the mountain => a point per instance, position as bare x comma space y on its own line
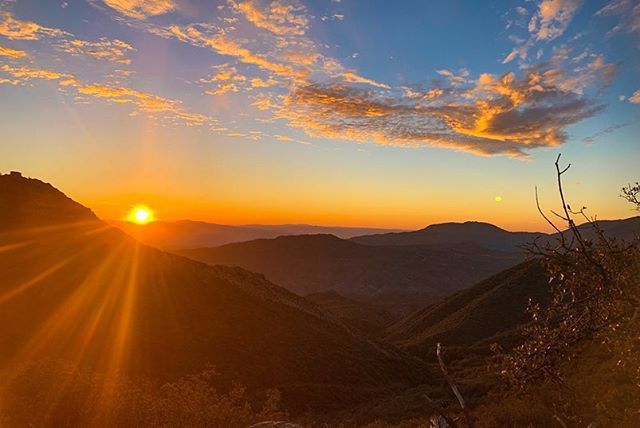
173, 235
27, 202
624, 229
471, 232
366, 317
492, 307
317, 263
77, 290
492, 237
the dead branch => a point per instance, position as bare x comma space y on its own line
453, 386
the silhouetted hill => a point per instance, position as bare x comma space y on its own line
626, 229
26, 202
315, 263
495, 306
490, 236
83, 292
363, 316
174, 235
481, 234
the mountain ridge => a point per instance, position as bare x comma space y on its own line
184, 234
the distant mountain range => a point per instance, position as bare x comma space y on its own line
489, 236
454, 234
183, 234
316, 263
424, 265
75, 289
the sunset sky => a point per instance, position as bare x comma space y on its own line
335, 112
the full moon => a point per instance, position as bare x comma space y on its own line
140, 215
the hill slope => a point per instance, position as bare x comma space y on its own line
84, 292
366, 317
494, 306
316, 263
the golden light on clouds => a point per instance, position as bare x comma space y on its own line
140, 214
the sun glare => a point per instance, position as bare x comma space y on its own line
140, 215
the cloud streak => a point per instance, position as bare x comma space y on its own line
104, 49
16, 29
12, 53
141, 9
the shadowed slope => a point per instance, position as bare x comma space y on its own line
494, 306
316, 263
366, 317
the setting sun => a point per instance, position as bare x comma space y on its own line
140, 215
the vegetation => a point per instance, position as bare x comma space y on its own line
53, 393
580, 360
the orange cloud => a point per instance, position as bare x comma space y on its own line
12, 53
141, 9
16, 29
352, 77
277, 17
261, 83
23, 74
223, 89
225, 73
144, 102
223, 45
109, 50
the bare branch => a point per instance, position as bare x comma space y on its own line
453, 386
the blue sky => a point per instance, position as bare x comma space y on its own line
337, 112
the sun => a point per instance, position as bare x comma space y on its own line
498, 198
140, 214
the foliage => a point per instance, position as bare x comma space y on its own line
583, 349
53, 393
632, 194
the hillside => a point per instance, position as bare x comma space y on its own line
494, 306
83, 292
366, 317
475, 233
26, 202
175, 235
316, 263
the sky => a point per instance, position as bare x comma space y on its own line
336, 112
